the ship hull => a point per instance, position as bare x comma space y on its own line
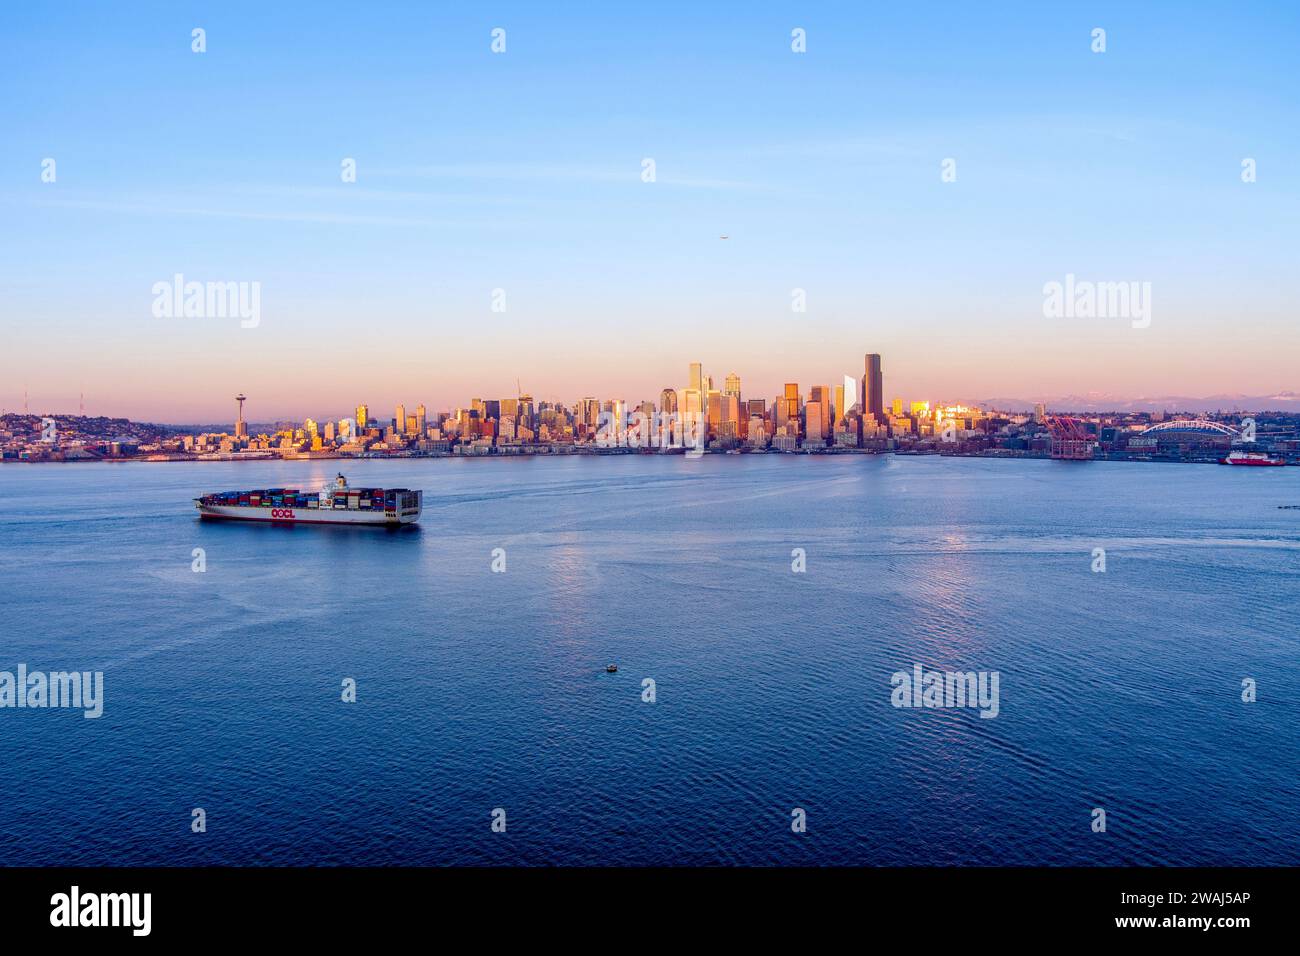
1252, 462
293, 516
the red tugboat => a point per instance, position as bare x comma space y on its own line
1256, 458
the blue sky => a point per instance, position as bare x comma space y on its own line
522, 171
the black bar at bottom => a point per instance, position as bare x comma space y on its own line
332, 905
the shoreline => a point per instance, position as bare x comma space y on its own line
607, 453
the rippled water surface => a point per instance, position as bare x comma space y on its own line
480, 690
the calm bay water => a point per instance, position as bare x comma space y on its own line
479, 690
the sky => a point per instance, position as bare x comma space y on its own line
517, 178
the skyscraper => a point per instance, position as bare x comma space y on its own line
815, 433
790, 405
714, 412
873, 386
697, 377
399, 420
819, 397
669, 429
692, 406
732, 386
730, 415
363, 418
618, 411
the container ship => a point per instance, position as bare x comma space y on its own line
1255, 458
334, 504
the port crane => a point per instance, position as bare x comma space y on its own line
1071, 440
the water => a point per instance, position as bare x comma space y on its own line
479, 690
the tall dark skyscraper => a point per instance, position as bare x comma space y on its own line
873, 386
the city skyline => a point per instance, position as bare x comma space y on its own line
879, 198
703, 415
337, 408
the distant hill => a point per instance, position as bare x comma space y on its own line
1099, 402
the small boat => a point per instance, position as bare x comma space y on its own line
1255, 458
611, 668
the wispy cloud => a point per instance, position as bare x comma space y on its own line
531, 172
163, 209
